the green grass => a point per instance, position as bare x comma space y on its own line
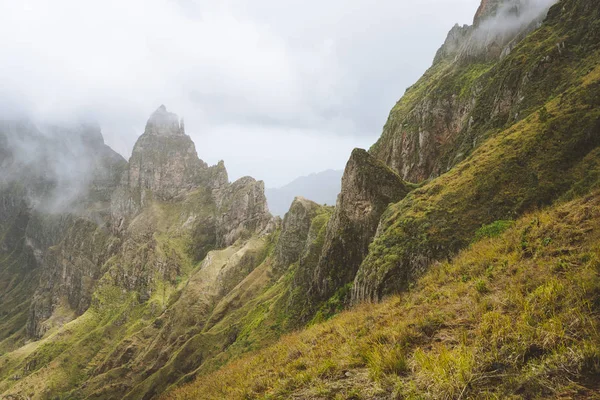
492, 230
533, 333
514, 314
529, 165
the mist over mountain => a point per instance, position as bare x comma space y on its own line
457, 258
322, 188
60, 165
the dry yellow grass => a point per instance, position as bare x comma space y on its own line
515, 316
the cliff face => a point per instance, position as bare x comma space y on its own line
294, 231
69, 274
368, 187
446, 114
164, 159
509, 170
19, 272
87, 237
242, 210
486, 9
58, 180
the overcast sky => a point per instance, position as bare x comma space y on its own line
276, 88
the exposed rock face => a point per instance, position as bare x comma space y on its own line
497, 27
69, 274
294, 232
242, 209
164, 123
486, 9
163, 165
59, 180
454, 41
215, 177
510, 127
415, 143
439, 122
300, 305
19, 271
164, 159
368, 187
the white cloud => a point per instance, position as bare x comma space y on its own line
275, 88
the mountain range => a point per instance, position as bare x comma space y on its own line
461, 258
322, 187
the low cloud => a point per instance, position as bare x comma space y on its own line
55, 165
512, 17
267, 71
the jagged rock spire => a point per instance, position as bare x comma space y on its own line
164, 123
368, 187
164, 159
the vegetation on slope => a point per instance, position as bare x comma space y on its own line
155, 321
529, 165
159, 315
457, 104
512, 316
18, 279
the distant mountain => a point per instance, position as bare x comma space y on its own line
322, 187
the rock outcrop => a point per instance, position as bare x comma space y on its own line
497, 27
447, 113
241, 210
164, 159
486, 9
368, 187
294, 232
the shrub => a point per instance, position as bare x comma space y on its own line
493, 230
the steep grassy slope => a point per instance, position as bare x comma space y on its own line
502, 136
529, 165
513, 316
190, 272
536, 160
159, 315
154, 268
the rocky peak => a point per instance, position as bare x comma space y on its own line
294, 231
368, 187
497, 27
164, 159
486, 9
164, 123
454, 41
242, 210
216, 177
